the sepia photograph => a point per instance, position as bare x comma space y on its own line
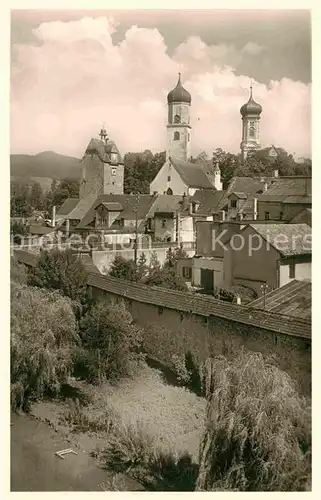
160, 250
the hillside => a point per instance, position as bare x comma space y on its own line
47, 164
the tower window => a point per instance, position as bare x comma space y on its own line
177, 119
168, 178
251, 131
176, 136
189, 137
113, 171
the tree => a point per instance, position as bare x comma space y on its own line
142, 268
112, 341
258, 429
140, 169
18, 230
36, 197
123, 268
20, 205
63, 271
166, 275
43, 334
59, 192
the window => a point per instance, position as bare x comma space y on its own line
168, 178
169, 191
233, 203
177, 119
189, 137
163, 223
187, 272
176, 136
267, 215
113, 171
251, 131
292, 269
281, 215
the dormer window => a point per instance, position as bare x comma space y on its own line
233, 203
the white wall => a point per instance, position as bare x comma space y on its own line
302, 272
160, 184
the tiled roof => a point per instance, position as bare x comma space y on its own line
240, 195
127, 201
192, 303
289, 186
204, 306
303, 217
67, 206
247, 185
165, 203
113, 206
292, 299
209, 200
193, 175
298, 199
102, 150
81, 209
41, 230
288, 239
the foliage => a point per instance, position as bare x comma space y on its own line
83, 419
18, 272
142, 268
43, 333
132, 449
166, 276
19, 200
123, 268
63, 271
180, 370
18, 231
111, 338
258, 433
140, 169
36, 197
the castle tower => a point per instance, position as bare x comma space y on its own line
102, 168
178, 126
250, 112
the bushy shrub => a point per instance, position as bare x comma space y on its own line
43, 334
258, 435
63, 271
18, 272
112, 341
123, 268
179, 366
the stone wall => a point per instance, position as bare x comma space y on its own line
169, 331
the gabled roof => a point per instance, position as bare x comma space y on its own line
67, 206
292, 299
127, 201
287, 239
193, 174
103, 150
81, 208
304, 217
112, 206
242, 196
289, 186
209, 200
165, 203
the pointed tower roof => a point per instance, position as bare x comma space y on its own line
179, 94
251, 107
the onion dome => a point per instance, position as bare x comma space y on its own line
179, 94
251, 107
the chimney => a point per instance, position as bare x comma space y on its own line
222, 215
67, 228
53, 221
276, 173
265, 186
185, 204
254, 208
190, 208
238, 300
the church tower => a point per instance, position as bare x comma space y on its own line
178, 126
250, 112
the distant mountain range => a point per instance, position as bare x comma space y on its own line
47, 164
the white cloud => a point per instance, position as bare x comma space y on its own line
77, 78
252, 48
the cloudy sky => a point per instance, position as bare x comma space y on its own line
73, 70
